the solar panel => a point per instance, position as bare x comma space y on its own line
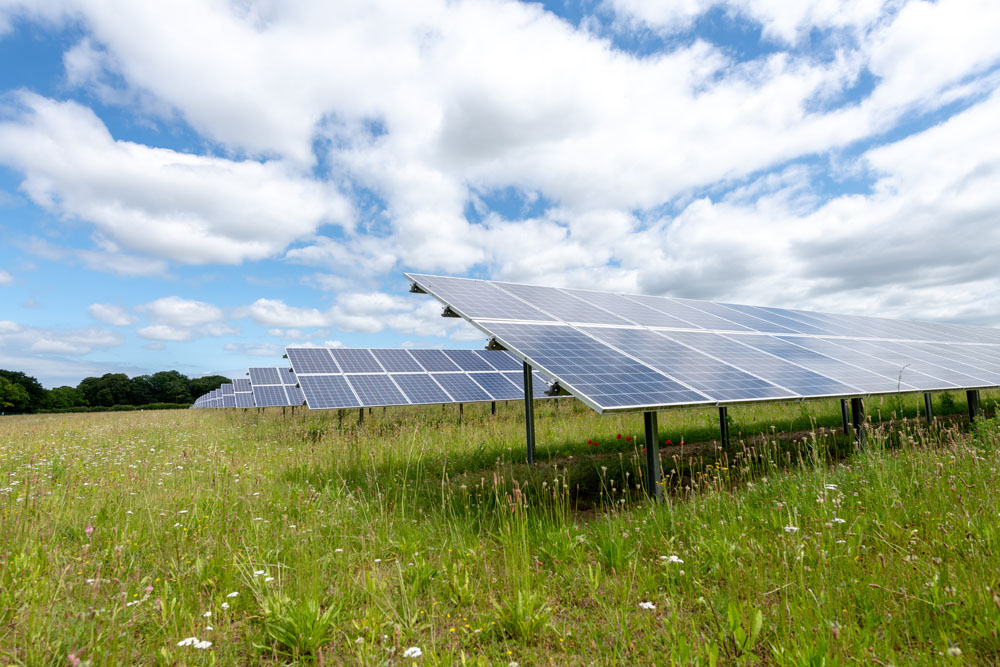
434, 360
354, 361
397, 361
461, 387
376, 390
311, 360
260, 376
245, 400
629, 352
227, 389
468, 360
295, 395
497, 386
484, 300
327, 391
269, 395
241, 385
420, 388
500, 360
589, 368
710, 376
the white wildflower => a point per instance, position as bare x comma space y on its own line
233, 594
837, 519
207, 614
412, 652
647, 605
203, 644
830, 487
225, 605
671, 559
954, 651
257, 573
267, 579
189, 641
791, 529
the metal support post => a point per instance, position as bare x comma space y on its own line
858, 417
724, 425
460, 413
529, 413
493, 408
928, 407
844, 417
340, 420
653, 487
361, 416
972, 397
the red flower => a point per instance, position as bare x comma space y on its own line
643, 450
595, 444
590, 442
668, 443
628, 438
619, 436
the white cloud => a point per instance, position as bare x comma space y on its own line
175, 311
5, 278
165, 332
274, 312
30, 341
110, 314
176, 206
255, 349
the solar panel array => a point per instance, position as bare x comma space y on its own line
621, 352
351, 378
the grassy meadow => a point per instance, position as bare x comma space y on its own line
242, 537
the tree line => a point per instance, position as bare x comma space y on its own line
22, 393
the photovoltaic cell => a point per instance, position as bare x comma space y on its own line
311, 360
631, 310
355, 361
295, 395
768, 367
227, 389
269, 395
699, 319
288, 377
748, 321
538, 383
397, 361
591, 369
244, 400
468, 360
482, 299
500, 359
259, 376
421, 388
461, 387
828, 366
560, 304
711, 377
241, 385
434, 360
780, 320
497, 386
955, 373
327, 391
376, 390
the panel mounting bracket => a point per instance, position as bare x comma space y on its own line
556, 390
416, 289
494, 344
448, 312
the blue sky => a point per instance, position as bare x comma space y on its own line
197, 185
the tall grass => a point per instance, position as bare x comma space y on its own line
281, 538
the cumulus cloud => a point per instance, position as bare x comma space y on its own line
110, 314
176, 206
255, 349
5, 278
165, 332
175, 311
31, 341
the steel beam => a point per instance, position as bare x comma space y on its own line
844, 417
724, 425
928, 407
653, 487
529, 413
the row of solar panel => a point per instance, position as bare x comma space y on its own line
378, 377
618, 368
487, 300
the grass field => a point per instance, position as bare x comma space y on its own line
243, 537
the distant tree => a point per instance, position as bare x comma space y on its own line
142, 391
13, 397
36, 392
107, 390
66, 397
171, 387
203, 385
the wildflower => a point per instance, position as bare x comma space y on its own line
791, 529
188, 641
837, 519
267, 579
830, 487
619, 436
337, 551
954, 651
257, 573
233, 594
590, 442
647, 605
225, 605
671, 559
378, 560
412, 652
667, 442
209, 627
207, 614
89, 529
203, 644
149, 588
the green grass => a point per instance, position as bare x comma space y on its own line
125, 533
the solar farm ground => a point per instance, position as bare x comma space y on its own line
244, 537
